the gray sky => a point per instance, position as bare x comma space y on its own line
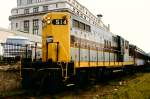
128, 18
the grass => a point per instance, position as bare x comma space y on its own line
137, 88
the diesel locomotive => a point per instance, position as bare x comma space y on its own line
76, 43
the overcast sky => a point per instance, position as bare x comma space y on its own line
128, 18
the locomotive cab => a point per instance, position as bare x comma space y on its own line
55, 53
56, 37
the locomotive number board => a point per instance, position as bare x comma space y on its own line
59, 22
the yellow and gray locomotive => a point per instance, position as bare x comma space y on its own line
71, 43
73, 47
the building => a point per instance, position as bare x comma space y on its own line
5, 33
27, 16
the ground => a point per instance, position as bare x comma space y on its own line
9, 79
135, 86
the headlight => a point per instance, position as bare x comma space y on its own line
48, 21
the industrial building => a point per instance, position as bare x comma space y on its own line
5, 33
27, 16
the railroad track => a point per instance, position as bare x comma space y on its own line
72, 88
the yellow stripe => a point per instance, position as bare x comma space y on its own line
120, 63
100, 64
128, 63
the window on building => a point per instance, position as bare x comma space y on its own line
29, 1
19, 2
26, 25
74, 9
126, 44
56, 5
72, 39
35, 26
76, 23
78, 13
88, 28
16, 10
82, 26
26, 11
35, 10
16, 25
81, 15
40, 0
105, 43
84, 17
109, 44
45, 8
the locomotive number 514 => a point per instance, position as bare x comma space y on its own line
59, 22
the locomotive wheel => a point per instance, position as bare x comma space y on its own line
52, 82
81, 78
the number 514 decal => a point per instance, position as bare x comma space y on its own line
59, 22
